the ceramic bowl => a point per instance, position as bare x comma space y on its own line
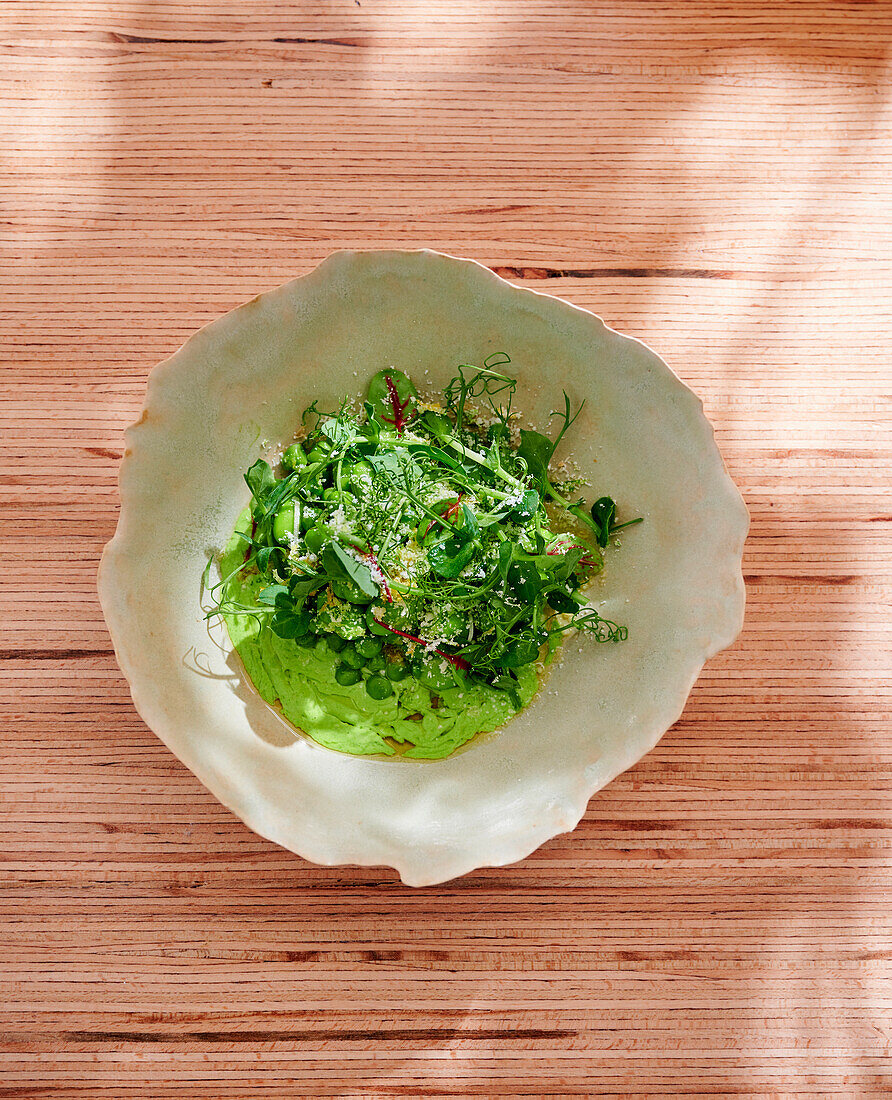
242, 383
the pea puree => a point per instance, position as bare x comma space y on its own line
301, 678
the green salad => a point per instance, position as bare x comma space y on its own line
401, 578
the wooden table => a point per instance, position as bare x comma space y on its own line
714, 179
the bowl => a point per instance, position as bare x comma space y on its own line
241, 383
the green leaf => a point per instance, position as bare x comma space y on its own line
271, 593
372, 427
536, 450
264, 556
523, 652
526, 581
449, 558
261, 480
603, 512
437, 454
341, 432
584, 516
381, 399
301, 587
526, 509
471, 528
437, 424
289, 625
341, 565
563, 602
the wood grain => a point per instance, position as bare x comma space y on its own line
712, 178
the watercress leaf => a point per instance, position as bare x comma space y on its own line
261, 480
339, 564
270, 594
284, 602
603, 512
536, 450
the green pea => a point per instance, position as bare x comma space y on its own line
357, 469
369, 647
377, 664
396, 670
374, 626
378, 687
331, 494
317, 455
316, 537
351, 658
433, 677
336, 643
347, 676
293, 457
349, 591
283, 524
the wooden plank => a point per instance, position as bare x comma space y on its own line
714, 179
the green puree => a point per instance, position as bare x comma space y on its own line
301, 679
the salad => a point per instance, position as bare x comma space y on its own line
401, 578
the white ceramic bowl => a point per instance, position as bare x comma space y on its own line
243, 380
